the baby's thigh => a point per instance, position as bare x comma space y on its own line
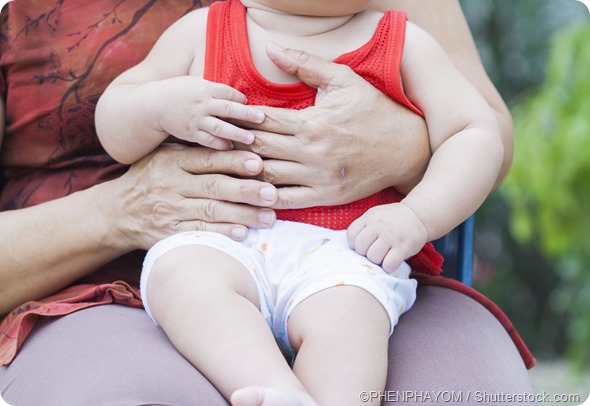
106, 355
203, 263
331, 265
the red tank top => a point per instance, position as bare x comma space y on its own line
228, 61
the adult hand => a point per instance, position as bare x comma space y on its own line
175, 188
179, 188
353, 143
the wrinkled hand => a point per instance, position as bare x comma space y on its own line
178, 188
190, 108
387, 235
353, 143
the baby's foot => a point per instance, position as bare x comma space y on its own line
261, 396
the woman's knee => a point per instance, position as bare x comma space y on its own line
448, 341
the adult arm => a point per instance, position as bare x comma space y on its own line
46, 247
445, 21
466, 160
347, 154
2, 120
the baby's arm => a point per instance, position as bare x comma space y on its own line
466, 160
166, 95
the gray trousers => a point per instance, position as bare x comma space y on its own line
447, 348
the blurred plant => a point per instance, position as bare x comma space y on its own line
512, 38
548, 187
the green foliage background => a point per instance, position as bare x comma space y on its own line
549, 185
532, 235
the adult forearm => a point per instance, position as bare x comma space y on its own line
175, 189
46, 247
2, 114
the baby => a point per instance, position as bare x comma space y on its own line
325, 286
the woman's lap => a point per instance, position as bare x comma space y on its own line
459, 351
446, 345
105, 355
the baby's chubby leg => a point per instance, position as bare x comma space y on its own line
341, 338
207, 303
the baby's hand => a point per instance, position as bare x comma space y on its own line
193, 109
387, 235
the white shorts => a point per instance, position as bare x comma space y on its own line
292, 261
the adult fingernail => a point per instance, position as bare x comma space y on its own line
267, 217
259, 116
238, 233
252, 165
268, 193
248, 137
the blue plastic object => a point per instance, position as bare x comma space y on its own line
457, 249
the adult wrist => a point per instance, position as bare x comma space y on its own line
109, 207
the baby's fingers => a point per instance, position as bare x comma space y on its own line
392, 260
219, 110
220, 130
353, 231
236, 110
229, 103
377, 251
383, 254
364, 240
